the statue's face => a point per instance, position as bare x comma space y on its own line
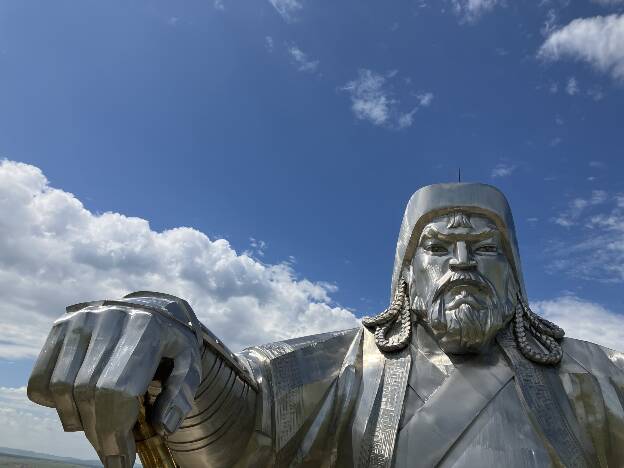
461, 281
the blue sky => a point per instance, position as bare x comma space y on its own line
297, 130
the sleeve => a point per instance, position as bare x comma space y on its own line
305, 385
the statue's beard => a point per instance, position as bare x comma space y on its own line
465, 313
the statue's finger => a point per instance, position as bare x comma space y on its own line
68, 364
174, 403
125, 454
106, 333
125, 377
38, 389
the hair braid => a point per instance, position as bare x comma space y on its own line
397, 314
545, 332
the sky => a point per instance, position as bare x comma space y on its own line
256, 157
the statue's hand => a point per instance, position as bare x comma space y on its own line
97, 361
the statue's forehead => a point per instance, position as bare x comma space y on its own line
460, 222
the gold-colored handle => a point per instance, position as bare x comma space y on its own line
151, 447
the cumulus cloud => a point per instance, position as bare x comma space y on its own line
503, 170
54, 252
471, 10
27, 426
598, 41
372, 99
584, 320
287, 9
301, 60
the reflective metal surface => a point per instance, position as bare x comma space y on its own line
393, 395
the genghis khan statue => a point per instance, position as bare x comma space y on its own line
458, 371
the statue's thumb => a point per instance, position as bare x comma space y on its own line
174, 403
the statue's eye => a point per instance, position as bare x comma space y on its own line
487, 249
436, 248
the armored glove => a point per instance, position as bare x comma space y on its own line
100, 357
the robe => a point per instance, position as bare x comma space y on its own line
335, 400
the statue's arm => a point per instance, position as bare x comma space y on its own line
217, 430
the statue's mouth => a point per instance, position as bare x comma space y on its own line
463, 296
469, 284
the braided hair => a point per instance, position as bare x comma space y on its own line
397, 315
545, 332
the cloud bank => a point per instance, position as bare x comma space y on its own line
584, 320
55, 252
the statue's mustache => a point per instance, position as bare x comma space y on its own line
452, 279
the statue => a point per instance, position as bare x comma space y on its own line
457, 371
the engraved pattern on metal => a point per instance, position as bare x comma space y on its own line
537, 392
286, 386
396, 374
372, 370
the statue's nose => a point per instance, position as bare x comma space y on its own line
461, 260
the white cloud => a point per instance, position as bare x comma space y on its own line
258, 246
555, 141
550, 24
425, 99
598, 41
503, 170
406, 119
594, 249
219, 5
268, 43
609, 3
596, 94
584, 320
577, 207
372, 99
572, 86
54, 252
301, 60
28, 426
287, 9
471, 10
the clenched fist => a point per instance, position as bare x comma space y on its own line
98, 360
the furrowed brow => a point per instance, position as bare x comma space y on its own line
431, 232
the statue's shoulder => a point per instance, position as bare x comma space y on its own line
597, 359
323, 345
